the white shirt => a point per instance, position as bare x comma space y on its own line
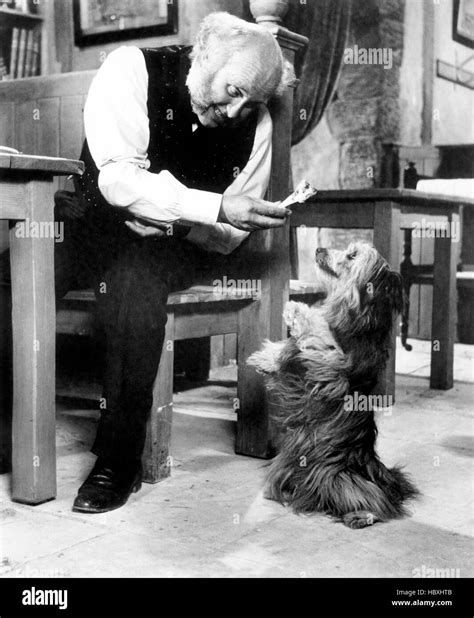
117, 131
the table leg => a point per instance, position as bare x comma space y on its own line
387, 222
33, 314
443, 320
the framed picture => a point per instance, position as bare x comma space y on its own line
463, 22
104, 21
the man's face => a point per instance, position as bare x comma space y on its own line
231, 89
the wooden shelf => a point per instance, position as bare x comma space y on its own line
18, 15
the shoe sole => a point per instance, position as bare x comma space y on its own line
136, 487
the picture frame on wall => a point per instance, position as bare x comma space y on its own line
463, 22
106, 21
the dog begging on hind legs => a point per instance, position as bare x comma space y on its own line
318, 377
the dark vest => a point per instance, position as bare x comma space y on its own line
206, 159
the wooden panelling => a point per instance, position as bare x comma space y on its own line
43, 115
7, 124
25, 126
58, 129
48, 128
33, 88
72, 131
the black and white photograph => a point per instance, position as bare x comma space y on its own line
236, 307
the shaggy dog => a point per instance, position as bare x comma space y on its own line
318, 378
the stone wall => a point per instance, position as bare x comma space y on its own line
344, 151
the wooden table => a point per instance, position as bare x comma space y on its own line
385, 211
26, 199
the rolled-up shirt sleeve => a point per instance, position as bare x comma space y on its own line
117, 131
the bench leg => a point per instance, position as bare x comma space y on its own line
443, 321
253, 428
156, 460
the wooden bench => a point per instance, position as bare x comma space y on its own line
198, 311
58, 101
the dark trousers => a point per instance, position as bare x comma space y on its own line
131, 277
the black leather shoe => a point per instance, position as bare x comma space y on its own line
107, 487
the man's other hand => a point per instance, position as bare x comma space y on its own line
247, 213
167, 230
144, 231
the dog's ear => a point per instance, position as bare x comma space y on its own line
394, 291
382, 299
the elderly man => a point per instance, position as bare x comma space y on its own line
177, 154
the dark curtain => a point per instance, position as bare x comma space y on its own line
326, 24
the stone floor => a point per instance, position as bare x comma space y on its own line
210, 518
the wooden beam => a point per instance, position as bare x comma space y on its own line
428, 71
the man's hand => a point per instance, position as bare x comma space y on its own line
168, 230
144, 230
68, 205
247, 213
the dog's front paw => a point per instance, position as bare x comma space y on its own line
360, 519
296, 317
266, 360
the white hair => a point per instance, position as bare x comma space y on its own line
221, 34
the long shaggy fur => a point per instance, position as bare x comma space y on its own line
327, 461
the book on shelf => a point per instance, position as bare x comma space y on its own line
20, 69
36, 54
29, 53
14, 52
3, 68
24, 53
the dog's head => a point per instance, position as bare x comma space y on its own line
363, 293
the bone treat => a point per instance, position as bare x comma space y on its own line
301, 194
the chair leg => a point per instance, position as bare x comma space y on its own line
156, 460
253, 427
443, 321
